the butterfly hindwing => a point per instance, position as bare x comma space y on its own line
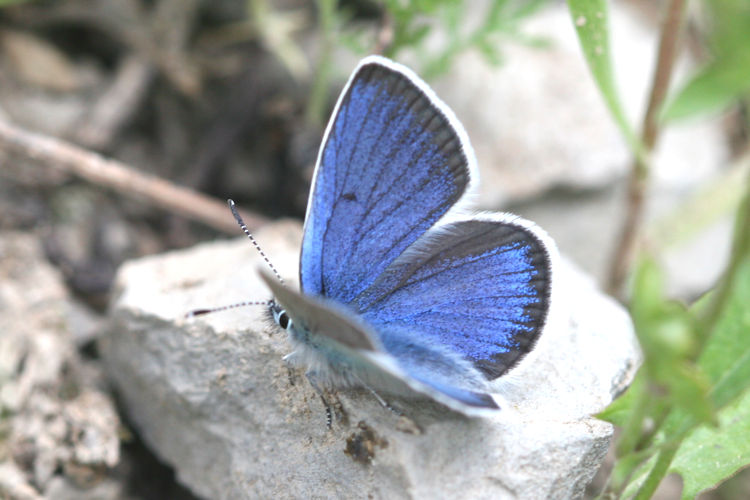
479, 288
393, 162
355, 355
338, 334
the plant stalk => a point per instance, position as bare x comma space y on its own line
639, 172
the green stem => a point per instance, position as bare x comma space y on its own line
631, 432
319, 92
740, 251
659, 413
657, 473
640, 171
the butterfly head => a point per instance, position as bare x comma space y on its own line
280, 316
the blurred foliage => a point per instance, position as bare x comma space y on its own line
414, 22
725, 78
276, 30
591, 20
438, 31
688, 410
709, 205
329, 23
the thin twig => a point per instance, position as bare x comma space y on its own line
61, 155
114, 108
170, 27
627, 242
384, 38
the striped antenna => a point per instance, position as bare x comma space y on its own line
201, 312
239, 220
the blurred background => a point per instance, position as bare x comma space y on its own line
229, 98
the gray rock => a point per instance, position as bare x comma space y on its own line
538, 120
586, 228
213, 397
58, 427
697, 264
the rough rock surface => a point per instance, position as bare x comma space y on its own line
58, 429
213, 397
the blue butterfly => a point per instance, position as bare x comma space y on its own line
400, 290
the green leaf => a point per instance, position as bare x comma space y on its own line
490, 51
725, 79
590, 18
726, 357
667, 333
619, 411
730, 20
630, 472
712, 90
676, 440
710, 455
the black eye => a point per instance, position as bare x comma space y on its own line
284, 320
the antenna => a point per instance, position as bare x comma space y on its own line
239, 220
201, 312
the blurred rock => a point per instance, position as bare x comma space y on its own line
61, 488
59, 424
538, 120
39, 63
213, 397
14, 483
586, 226
694, 267
41, 88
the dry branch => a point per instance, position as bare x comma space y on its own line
116, 105
67, 157
638, 182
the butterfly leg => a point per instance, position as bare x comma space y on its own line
405, 423
380, 399
332, 409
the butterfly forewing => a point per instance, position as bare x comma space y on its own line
391, 165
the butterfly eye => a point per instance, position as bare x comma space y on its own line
284, 320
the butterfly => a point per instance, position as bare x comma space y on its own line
401, 289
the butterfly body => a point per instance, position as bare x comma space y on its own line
401, 290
